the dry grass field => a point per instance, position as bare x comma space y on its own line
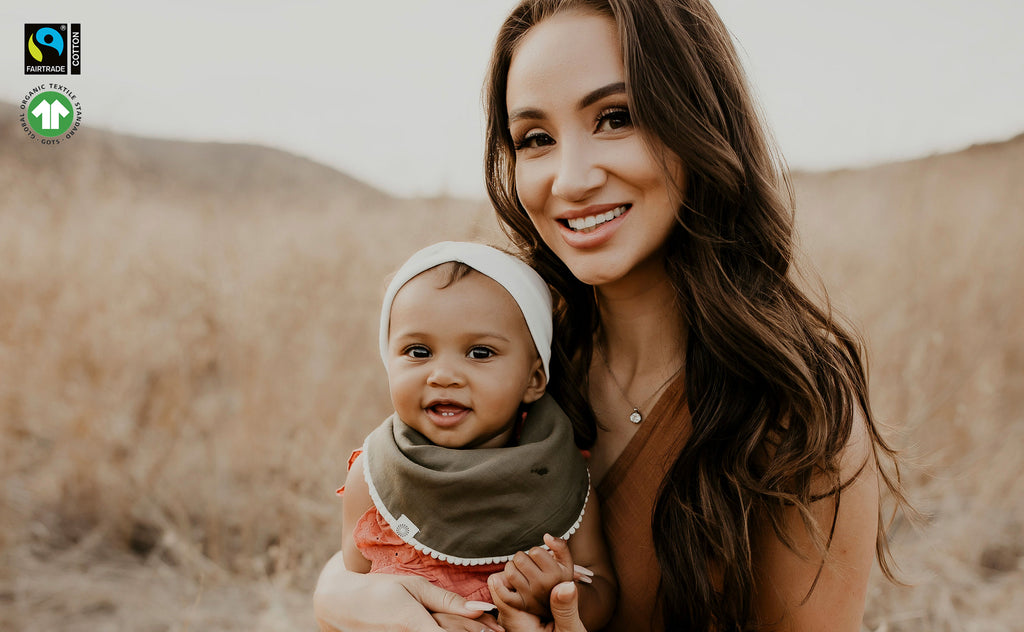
187, 357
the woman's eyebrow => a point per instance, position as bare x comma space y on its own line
595, 96
589, 99
525, 113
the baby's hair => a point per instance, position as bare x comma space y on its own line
454, 272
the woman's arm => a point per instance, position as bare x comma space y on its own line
597, 598
784, 599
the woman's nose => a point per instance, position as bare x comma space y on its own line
578, 175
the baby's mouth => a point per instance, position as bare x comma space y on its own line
447, 410
591, 222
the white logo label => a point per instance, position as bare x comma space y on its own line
404, 528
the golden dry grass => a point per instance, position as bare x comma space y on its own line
926, 256
187, 356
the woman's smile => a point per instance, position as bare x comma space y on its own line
593, 226
589, 218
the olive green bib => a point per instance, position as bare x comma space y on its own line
479, 506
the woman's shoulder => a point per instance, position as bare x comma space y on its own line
855, 460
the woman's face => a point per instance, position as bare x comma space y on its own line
586, 176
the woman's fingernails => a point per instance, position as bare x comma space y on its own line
582, 570
564, 592
585, 579
482, 606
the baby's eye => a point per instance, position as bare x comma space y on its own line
614, 119
480, 353
533, 140
417, 351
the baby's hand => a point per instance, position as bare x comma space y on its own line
528, 577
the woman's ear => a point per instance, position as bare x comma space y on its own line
538, 382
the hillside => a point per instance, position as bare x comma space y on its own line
187, 357
97, 163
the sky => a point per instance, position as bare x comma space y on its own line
389, 91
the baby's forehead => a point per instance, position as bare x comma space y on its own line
470, 284
512, 282
455, 293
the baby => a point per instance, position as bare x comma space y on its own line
476, 473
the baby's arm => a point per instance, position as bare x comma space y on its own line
356, 501
528, 578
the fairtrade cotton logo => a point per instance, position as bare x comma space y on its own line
53, 49
46, 37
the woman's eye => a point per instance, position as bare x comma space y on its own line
614, 119
417, 351
533, 140
480, 353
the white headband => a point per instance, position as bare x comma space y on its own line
522, 282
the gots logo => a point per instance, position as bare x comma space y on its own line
51, 115
48, 48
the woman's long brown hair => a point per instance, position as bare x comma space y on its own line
774, 383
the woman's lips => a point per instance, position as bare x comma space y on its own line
587, 223
595, 228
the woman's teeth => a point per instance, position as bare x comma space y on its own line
587, 224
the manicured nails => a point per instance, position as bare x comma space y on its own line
564, 592
582, 570
482, 606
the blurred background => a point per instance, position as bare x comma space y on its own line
189, 285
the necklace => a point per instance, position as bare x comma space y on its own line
636, 416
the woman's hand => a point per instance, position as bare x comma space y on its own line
453, 623
345, 601
564, 611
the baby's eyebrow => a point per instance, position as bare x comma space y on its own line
488, 334
408, 334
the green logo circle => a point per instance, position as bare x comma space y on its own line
50, 114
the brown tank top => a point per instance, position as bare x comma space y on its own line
628, 493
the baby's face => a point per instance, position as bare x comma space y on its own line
460, 360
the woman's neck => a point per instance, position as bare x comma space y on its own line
642, 332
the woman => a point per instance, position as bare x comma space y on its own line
732, 438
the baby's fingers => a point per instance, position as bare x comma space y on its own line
504, 595
544, 562
515, 577
559, 549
